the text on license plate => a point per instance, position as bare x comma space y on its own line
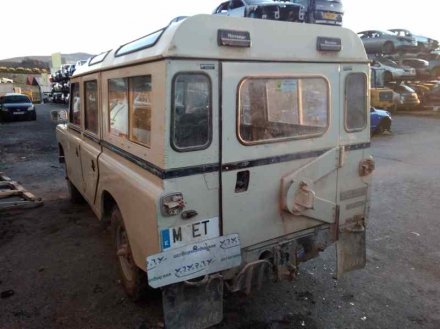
329, 15
179, 236
18, 113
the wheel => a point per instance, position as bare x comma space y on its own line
384, 125
436, 72
387, 76
388, 48
33, 116
74, 195
380, 129
133, 279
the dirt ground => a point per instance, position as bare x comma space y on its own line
58, 268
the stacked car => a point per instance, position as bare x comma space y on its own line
409, 64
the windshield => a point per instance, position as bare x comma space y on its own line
256, 2
17, 99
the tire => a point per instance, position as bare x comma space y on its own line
380, 129
436, 72
384, 125
74, 195
388, 48
387, 76
33, 116
133, 279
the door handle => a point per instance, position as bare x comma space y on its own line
93, 165
76, 152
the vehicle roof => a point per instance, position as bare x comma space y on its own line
196, 37
403, 30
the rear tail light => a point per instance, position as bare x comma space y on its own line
172, 204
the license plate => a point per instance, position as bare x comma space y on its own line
194, 260
18, 113
331, 16
179, 236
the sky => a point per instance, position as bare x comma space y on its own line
43, 27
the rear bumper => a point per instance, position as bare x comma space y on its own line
279, 258
13, 116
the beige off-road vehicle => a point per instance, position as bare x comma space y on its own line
223, 152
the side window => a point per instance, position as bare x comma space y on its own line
118, 106
355, 102
191, 112
91, 106
276, 109
75, 105
140, 109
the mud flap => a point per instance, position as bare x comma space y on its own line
351, 248
197, 305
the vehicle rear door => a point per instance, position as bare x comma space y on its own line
356, 165
90, 145
73, 151
280, 135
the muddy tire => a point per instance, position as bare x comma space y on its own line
133, 279
74, 195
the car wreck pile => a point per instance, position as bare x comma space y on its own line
408, 67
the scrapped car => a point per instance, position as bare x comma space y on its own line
434, 63
380, 96
420, 65
14, 106
393, 71
328, 12
432, 97
216, 171
405, 98
376, 41
264, 9
423, 43
380, 120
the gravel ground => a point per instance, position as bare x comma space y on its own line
58, 269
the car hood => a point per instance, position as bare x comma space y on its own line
382, 113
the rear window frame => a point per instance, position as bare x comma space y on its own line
5, 99
172, 116
346, 103
284, 139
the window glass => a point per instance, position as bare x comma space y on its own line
191, 124
275, 109
91, 106
75, 105
142, 43
118, 106
140, 109
98, 58
356, 101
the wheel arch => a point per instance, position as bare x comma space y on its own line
108, 202
61, 158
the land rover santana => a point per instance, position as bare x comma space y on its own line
223, 152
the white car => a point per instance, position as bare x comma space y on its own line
394, 71
264, 9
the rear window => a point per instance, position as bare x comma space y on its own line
276, 109
14, 99
191, 116
355, 102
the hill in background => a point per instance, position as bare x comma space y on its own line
41, 61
